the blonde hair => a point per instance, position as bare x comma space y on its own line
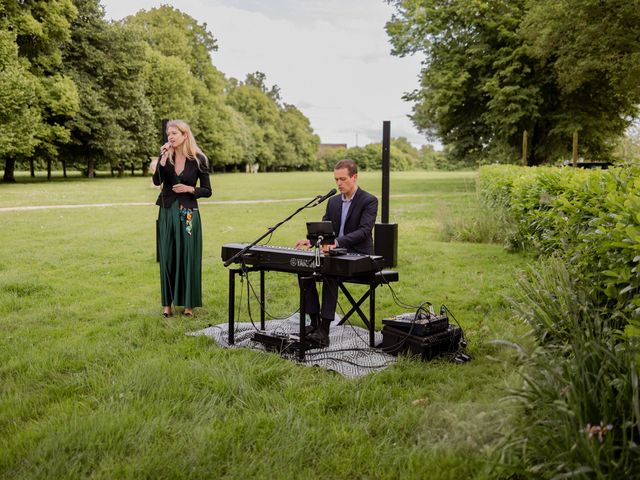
189, 147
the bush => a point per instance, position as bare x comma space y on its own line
589, 218
580, 398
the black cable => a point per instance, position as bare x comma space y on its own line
418, 308
397, 300
239, 301
396, 346
268, 239
401, 342
463, 340
391, 348
250, 289
344, 360
246, 274
255, 296
353, 327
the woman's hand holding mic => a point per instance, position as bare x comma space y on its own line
165, 150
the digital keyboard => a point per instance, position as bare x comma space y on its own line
286, 259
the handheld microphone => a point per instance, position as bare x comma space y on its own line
166, 146
331, 193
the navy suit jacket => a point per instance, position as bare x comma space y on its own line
190, 175
361, 218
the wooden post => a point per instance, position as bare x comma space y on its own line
525, 137
574, 154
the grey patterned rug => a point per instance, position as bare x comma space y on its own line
349, 353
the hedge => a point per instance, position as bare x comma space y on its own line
588, 218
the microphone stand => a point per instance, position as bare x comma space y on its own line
271, 230
318, 200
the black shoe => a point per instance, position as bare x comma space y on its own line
315, 321
320, 338
321, 335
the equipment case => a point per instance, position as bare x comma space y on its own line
397, 341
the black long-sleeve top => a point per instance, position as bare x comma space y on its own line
166, 176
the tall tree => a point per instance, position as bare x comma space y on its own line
224, 134
487, 76
41, 29
592, 49
182, 82
107, 61
235, 122
259, 79
20, 116
172, 33
263, 117
283, 136
300, 138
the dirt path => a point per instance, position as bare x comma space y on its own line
140, 204
149, 204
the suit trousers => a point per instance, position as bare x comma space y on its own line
329, 296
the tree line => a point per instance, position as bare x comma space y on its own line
86, 93
495, 69
403, 155
499, 77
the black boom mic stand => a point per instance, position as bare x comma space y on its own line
241, 253
310, 204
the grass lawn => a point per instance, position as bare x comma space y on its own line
94, 383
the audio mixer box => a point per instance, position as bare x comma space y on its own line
281, 343
421, 324
396, 341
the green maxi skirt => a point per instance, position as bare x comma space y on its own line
180, 256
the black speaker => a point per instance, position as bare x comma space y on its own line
385, 243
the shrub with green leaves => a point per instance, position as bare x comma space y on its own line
580, 400
590, 218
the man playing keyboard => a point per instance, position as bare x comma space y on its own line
353, 214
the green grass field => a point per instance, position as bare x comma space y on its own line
94, 383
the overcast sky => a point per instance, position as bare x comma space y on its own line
330, 58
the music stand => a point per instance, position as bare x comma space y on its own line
320, 233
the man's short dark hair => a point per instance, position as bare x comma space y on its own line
349, 165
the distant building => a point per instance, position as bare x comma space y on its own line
328, 147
